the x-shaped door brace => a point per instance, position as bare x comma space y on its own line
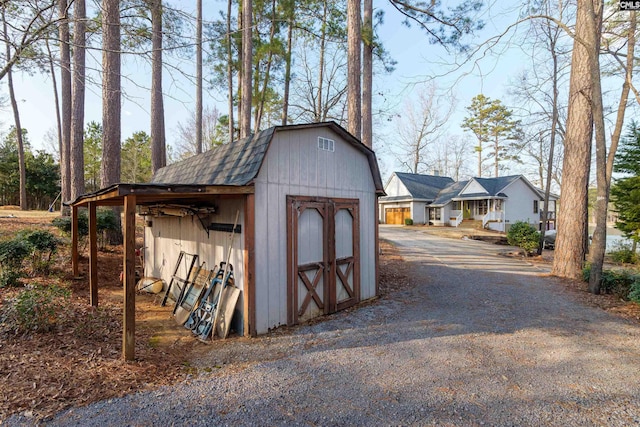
311, 287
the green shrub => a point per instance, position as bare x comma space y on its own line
622, 253
38, 308
63, 223
43, 245
12, 254
106, 221
408, 221
586, 272
634, 288
524, 235
10, 278
617, 283
621, 283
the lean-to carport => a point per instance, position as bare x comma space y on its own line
131, 195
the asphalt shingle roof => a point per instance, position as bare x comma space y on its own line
424, 186
238, 163
495, 185
228, 164
448, 193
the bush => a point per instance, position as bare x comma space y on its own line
38, 308
408, 221
106, 221
621, 283
617, 283
634, 289
524, 235
63, 223
43, 245
12, 254
623, 254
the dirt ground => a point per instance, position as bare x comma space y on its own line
80, 361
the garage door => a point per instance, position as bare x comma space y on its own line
396, 215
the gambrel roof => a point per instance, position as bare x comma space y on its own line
238, 163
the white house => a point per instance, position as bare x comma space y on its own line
492, 203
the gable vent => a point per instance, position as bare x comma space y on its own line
326, 144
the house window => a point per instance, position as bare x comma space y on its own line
497, 205
482, 207
435, 214
326, 144
457, 206
535, 206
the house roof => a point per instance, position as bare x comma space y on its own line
497, 184
238, 164
423, 186
448, 193
441, 190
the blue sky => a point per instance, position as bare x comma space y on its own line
417, 60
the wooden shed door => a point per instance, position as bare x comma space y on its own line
323, 256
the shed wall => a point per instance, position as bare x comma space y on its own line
164, 240
294, 165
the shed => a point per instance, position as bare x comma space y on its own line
307, 241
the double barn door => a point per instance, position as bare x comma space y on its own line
323, 257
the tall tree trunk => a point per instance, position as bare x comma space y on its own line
479, 150
77, 101
604, 162
65, 98
266, 75
230, 72
56, 100
158, 144
367, 75
354, 95
199, 77
554, 131
247, 67
572, 219
16, 117
320, 114
287, 63
111, 97
496, 163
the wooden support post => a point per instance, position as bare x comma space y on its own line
93, 255
249, 266
377, 249
129, 278
74, 241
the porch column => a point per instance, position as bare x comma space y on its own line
129, 279
74, 241
93, 255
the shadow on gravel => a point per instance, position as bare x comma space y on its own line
446, 301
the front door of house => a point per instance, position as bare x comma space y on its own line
323, 256
466, 210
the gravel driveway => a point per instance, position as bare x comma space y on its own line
478, 340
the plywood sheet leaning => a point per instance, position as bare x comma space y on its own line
224, 313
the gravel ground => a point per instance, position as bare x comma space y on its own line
477, 339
